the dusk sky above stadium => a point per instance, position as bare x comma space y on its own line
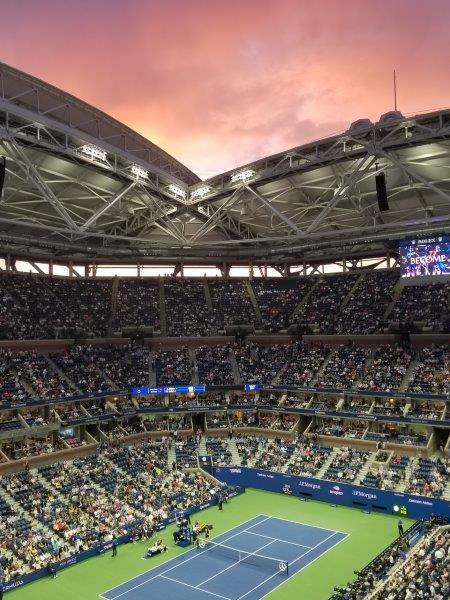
221, 83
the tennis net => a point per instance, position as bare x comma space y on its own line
276, 565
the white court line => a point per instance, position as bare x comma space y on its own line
236, 563
305, 524
292, 562
194, 555
194, 587
310, 563
276, 539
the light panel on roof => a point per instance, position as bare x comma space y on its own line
139, 172
200, 192
177, 191
242, 176
93, 152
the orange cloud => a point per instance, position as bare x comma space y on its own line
220, 83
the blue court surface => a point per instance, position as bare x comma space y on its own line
268, 545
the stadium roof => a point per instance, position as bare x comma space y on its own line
82, 186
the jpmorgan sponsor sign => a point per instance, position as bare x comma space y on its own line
334, 492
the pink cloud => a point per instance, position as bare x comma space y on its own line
221, 83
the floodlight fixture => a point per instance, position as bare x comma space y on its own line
200, 192
177, 191
139, 172
93, 152
242, 176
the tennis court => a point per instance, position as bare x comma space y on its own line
248, 561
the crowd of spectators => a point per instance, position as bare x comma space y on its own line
427, 410
218, 448
24, 308
137, 303
384, 477
432, 371
344, 368
79, 363
243, 419
173, 367
389, 406
11, 389
278, 298
72, 506
404, 571
260, 364
78, 307
425, 575
186, 310
213, 365
29, 447
387, 370
297, 401
217, 420
274, 454
427, 304
308, 458
323, 304
231, 303
303, 363
247, 447
45, 382
363, 312
339, 428
85, 307
356, 405
429, 476
346, 465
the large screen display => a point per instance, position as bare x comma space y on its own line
425, 258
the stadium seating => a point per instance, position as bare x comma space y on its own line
71, 445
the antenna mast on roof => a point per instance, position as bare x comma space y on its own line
395, 91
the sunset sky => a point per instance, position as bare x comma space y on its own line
220, 83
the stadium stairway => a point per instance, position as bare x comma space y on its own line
305, 298
236, 459
348, 297
324, 468
234, 367
365, 469
61, 373
113, 313
366, 366
201, 448
322, 368
401, 487
162, 306
151, 369
194, 367
252, 296
397, 291
408, 375
171, 456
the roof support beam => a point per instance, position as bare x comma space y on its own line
362, 167
412, 173
107, 206
273, 209
33, 174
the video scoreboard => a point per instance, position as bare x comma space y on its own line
427, 257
